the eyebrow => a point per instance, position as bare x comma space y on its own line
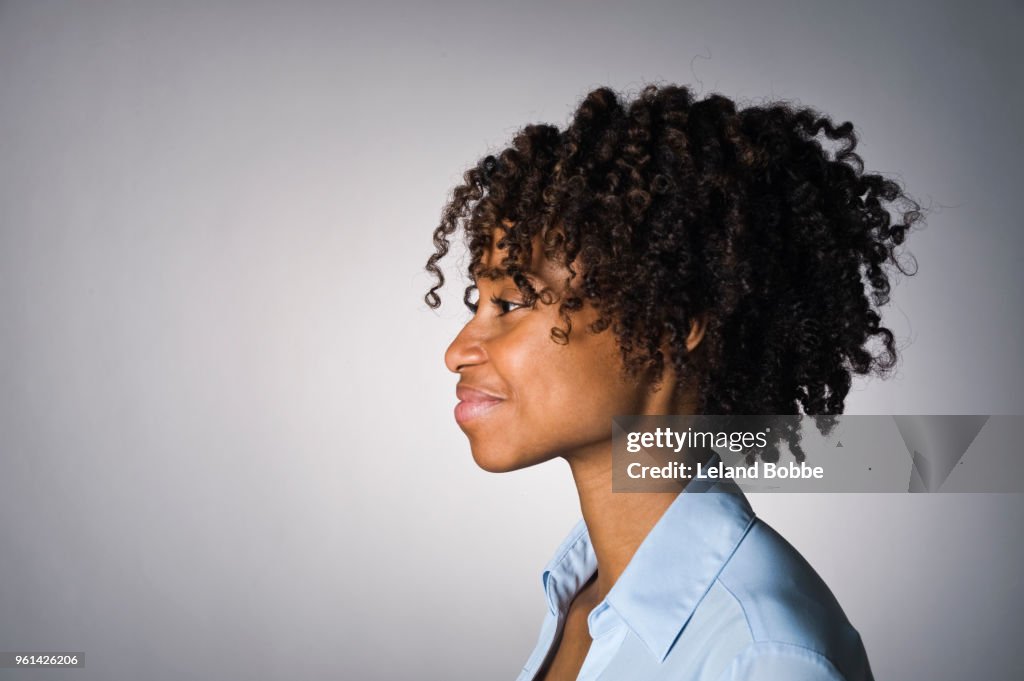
499, 273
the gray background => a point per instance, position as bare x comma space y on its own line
225, 423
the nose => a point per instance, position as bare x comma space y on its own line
466, 349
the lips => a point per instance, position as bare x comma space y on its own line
474, 403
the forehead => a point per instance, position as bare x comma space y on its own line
542, 271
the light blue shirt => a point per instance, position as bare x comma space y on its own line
712, 593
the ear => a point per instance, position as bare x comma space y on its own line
697, 327
671, 403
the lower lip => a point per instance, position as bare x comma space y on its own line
466, 411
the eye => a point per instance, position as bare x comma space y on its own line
503, 305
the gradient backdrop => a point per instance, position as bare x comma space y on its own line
227, 447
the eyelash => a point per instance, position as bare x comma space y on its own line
498, 301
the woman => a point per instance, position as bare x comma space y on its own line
670, 256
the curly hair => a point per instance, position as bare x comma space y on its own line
677, 208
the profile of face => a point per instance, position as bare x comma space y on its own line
526, 398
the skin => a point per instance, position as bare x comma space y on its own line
558, 402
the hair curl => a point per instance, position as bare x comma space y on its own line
675, 208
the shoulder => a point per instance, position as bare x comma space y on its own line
796, 626
771, 660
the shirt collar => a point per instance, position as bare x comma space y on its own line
672, 569
572, 565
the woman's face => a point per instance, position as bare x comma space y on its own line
548, 399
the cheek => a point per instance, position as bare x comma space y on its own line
604, 390
532, 363
569, 386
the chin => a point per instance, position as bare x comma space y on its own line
496, 461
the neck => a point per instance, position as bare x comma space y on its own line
617, 523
